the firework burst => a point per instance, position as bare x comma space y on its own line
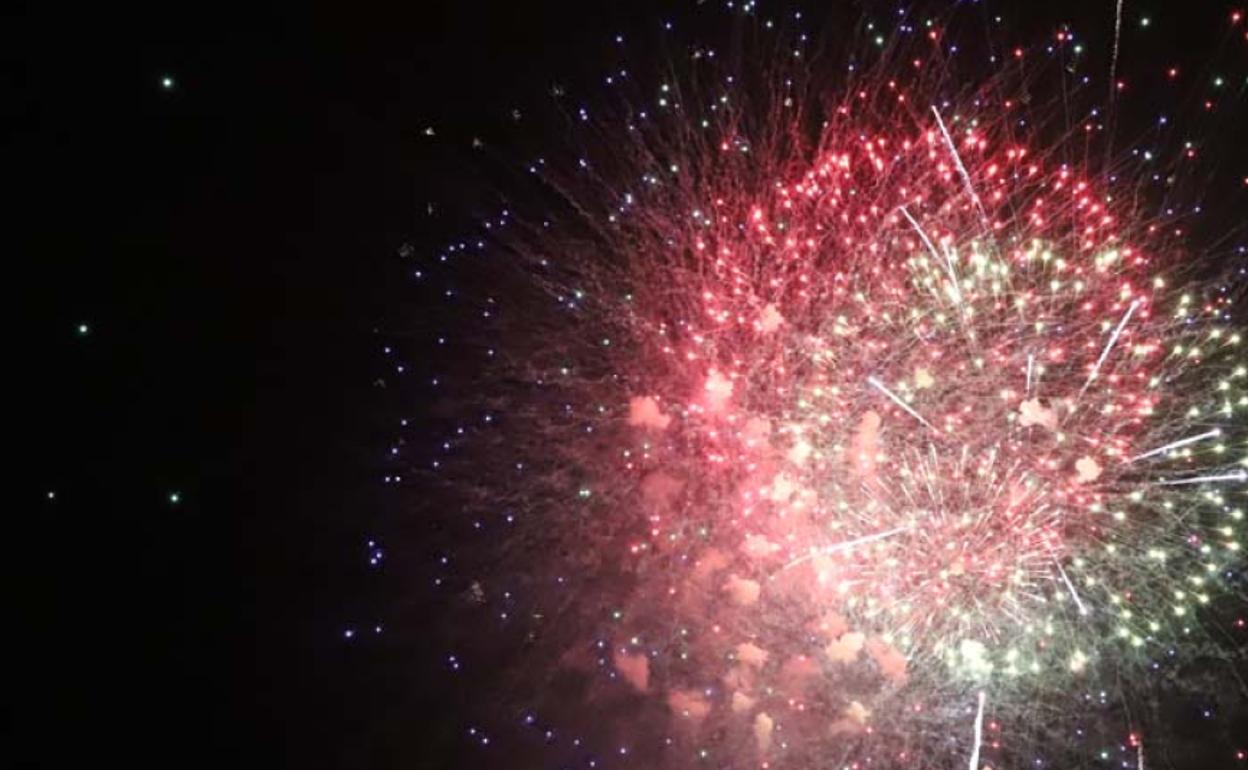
838, 412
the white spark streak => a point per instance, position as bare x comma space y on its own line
1113, 339
957, 159
1070, 586
1031, 363
1180, 443
845, 546
979, 733
943, 256
880, 387
1113, 65
1234, 476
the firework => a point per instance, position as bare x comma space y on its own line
834, 413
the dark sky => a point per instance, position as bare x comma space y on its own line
229, 242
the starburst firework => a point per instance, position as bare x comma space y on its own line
834, 412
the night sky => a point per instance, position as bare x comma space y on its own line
209, 203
